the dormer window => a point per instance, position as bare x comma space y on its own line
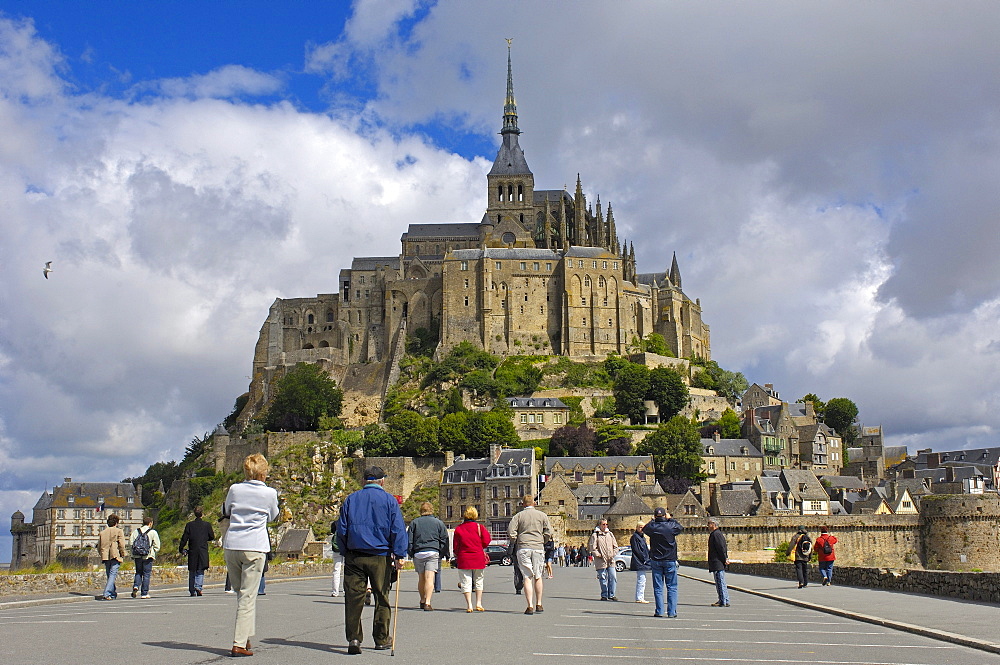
72, 499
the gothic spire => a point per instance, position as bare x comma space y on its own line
510, 105
612, 232
675, 272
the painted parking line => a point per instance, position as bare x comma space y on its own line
14, 623
808, 644
812, 661
714, 620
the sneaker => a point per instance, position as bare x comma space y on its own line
671, 616
825, 583
146, 597
230, 591
368, 598
354, 647
614, 598
538, 609
644, 602
530, 610
135, 591
657, 616
335, 594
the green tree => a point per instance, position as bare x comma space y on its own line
654, 343
487, 428
517, 376
630, 390
404, 430
304, 394
676, 449
241, 402
841, 414
730, 385
667, 389
427, 441
614, 364
378, 442
729, 425
818, 405
453, 433
612, 438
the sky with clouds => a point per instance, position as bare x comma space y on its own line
827, 174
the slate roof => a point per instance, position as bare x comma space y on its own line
465, 468
374, 262
591, 511
536, 403
971, 456
527, 253
649, 489
294, 540
896, 454
653, 278
510, 158
813, 490
836, 508
555, 195
730, 447
591, 463
516, 458
737, 502
594, 491
578, 252
629, 503
844, 482
462, 230
88, 495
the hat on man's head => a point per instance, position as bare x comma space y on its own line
802, 529
374, 473
660, 512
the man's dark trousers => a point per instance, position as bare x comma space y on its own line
358, 570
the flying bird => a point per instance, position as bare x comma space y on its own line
47, 269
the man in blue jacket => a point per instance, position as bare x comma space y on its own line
662, 532
372, 538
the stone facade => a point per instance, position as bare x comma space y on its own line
543, 271
537, 417
71, 516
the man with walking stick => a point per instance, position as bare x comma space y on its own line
372, 537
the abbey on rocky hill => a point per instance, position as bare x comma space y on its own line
542, 272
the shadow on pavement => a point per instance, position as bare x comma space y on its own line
184, 646
305, 645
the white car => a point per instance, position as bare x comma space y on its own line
623, 560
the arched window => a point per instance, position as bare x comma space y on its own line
329, 316
500, 193
520, 195
510, 192
310, 319
586, 280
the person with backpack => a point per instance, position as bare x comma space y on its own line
800, 549
144, 544
338, 561
826, 555
194, 544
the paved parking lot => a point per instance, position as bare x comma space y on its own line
298, 622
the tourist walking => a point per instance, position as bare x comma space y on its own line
372, 537
640, 562
718, 559
662, 532
471, 540
550, 553
561, 555
604, 547
111, 546
428, 538
194, 544
826, 555
144, 544
800, 549
249, 505
530, 529
338, 561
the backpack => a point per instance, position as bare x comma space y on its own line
805, 545
140, 548
827, 547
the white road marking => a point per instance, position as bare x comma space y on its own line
726, 629
716, 658
714, 620
11, 623
808, 644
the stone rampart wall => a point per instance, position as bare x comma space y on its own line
404, 474
960, 531
982, 587
163, 577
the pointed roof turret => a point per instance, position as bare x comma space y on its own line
675, 272
612, 231
510, 158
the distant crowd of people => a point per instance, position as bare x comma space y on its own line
371, 541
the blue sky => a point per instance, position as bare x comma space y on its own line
826, 175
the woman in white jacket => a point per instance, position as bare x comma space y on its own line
250, 505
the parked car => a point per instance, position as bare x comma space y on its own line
623, 559
498, 555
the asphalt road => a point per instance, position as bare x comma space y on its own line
298, 622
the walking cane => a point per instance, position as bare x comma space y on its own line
395, 616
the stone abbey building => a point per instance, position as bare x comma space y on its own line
543, 272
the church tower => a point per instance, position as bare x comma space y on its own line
510, 208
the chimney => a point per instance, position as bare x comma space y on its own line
715, 436
949, 474
449, 458
933, 460
494, 452
67, 480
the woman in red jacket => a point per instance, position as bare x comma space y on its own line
825, 560
470, 542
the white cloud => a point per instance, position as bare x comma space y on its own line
228, 81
